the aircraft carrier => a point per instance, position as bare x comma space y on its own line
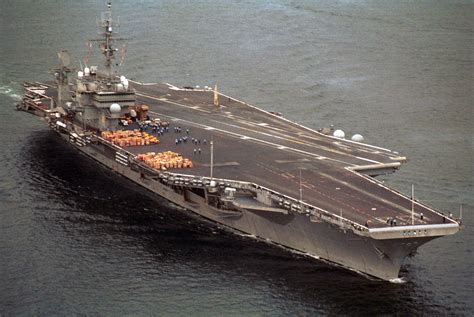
238, 165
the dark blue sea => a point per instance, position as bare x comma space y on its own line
77, 240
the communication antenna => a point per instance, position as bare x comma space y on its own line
301, 190
216, 96
412, 204
89, 53
123, 52
61, 74
212, 159
106, 43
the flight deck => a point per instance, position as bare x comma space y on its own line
253, 145
256, 146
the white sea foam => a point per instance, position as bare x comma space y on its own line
398, 280
10, 92
247, 235
312, 256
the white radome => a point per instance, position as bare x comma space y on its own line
357, 138
339, 134
115, 108
125, 83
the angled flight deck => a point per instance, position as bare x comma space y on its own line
237, 117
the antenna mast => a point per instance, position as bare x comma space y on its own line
107, 23
301, 190
107, 49
212, 159
412, 204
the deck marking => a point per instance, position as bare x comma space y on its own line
366, 193
237, 135
141, 84
254, 131
224, 164
369, 160
289, 139
302, 126
292, 161
169, 101
293, 140
375, 181
358, 212
292, 178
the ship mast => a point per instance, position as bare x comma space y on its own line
107, 49
106, 24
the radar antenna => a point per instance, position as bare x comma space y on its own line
106, 25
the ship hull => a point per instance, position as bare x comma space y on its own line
326, 241
263, 164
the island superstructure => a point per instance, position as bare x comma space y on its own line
239, 165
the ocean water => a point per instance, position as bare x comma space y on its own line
78, 240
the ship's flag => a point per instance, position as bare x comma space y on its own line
216, 97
